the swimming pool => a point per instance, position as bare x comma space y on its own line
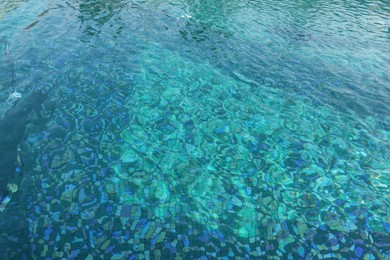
194, 129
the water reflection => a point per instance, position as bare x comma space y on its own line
96, 14
8, 6
207, 21
149, 133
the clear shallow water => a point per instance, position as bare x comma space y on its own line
188, 129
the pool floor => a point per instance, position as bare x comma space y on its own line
194, 129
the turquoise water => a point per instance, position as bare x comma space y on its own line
194, 129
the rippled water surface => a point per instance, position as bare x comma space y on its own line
194, 129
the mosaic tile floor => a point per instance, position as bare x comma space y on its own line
194, 130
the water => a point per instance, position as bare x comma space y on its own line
195, 129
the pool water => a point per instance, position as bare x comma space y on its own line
188, 129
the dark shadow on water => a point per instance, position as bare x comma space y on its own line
14, 221
12, 131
